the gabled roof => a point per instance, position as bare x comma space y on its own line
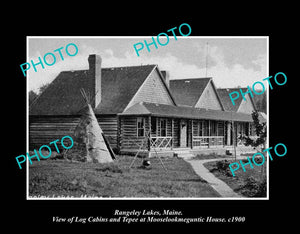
226, 101
187, 92
62, 96
161, 110
118, 86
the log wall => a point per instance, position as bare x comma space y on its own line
45, 129
109, 126
129, 140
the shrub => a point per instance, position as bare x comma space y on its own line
254, 188
222, 165
259, 160
262, 189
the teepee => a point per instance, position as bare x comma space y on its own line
90, 134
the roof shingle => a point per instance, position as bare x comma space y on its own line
118, 86
187, 92
162, 110
226, 101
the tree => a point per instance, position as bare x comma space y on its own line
32, 96
260, 131
43, 87
261, 102
264, 103
260, 140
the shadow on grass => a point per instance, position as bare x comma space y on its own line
193, 180
110, 168
116, 179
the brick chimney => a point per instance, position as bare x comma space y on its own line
166, 77
95, 76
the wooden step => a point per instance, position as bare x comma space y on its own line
184, 154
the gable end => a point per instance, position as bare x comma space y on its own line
209, 98
153, 90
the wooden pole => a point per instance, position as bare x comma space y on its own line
234, 140
192, 135
209, 141
149, 140
233, 137
206, 59
172, 127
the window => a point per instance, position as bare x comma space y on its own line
140, 127
205, 128
200, 128
220, 127
163, 127
242, 129
153, 125
247, 129
213, 129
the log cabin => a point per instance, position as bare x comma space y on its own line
138, 108
241, 106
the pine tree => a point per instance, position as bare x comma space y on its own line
260, 131
260, 140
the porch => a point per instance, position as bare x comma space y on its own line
151, 135
151, 127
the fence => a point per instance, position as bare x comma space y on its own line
161, 142
208, 141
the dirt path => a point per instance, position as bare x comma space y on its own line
220, 186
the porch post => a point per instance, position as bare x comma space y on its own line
209, 133
249, 133
192, 134
234, 139
156, 120
228, 133
234, 129
172, 133
149, 140
224, 128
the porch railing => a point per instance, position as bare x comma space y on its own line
160, 142
208, 141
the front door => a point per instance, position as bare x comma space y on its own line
183, 133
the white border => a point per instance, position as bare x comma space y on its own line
141, 198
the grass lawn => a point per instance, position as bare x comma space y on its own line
244, 183
65, 178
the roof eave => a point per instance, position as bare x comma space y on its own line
215, 89
164, 82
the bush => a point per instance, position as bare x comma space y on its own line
222, 165
262, 189
254, 188
259, 160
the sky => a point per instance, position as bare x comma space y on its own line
230, 61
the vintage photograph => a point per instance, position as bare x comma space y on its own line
180, 120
